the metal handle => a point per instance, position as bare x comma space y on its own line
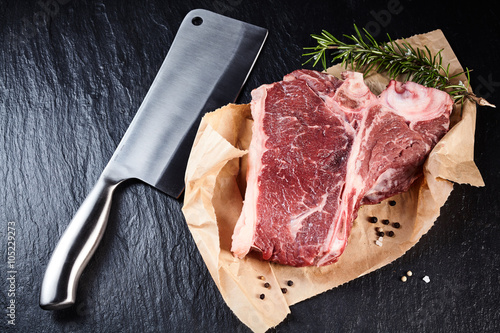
76, 247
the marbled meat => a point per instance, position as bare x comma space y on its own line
320, 148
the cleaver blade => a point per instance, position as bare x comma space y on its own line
205, 68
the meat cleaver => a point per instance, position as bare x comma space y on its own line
205, 68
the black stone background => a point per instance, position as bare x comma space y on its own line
72, 76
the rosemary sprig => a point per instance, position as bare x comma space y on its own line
397, 59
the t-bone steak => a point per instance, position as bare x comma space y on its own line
320, 148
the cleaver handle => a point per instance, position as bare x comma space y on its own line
76, 247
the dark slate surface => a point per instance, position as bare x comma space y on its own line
72, 75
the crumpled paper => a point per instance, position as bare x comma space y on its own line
215, 182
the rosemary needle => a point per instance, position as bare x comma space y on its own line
397, 59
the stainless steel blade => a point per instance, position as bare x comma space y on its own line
205, 68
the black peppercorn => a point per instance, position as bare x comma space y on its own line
381, 234
396, 225
290, 283
373, 219
262, 296
267, 285
392, 203
283, 290
390, 233
386, 222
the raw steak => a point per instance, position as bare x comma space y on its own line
320, 148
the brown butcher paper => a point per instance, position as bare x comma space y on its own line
215, 182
